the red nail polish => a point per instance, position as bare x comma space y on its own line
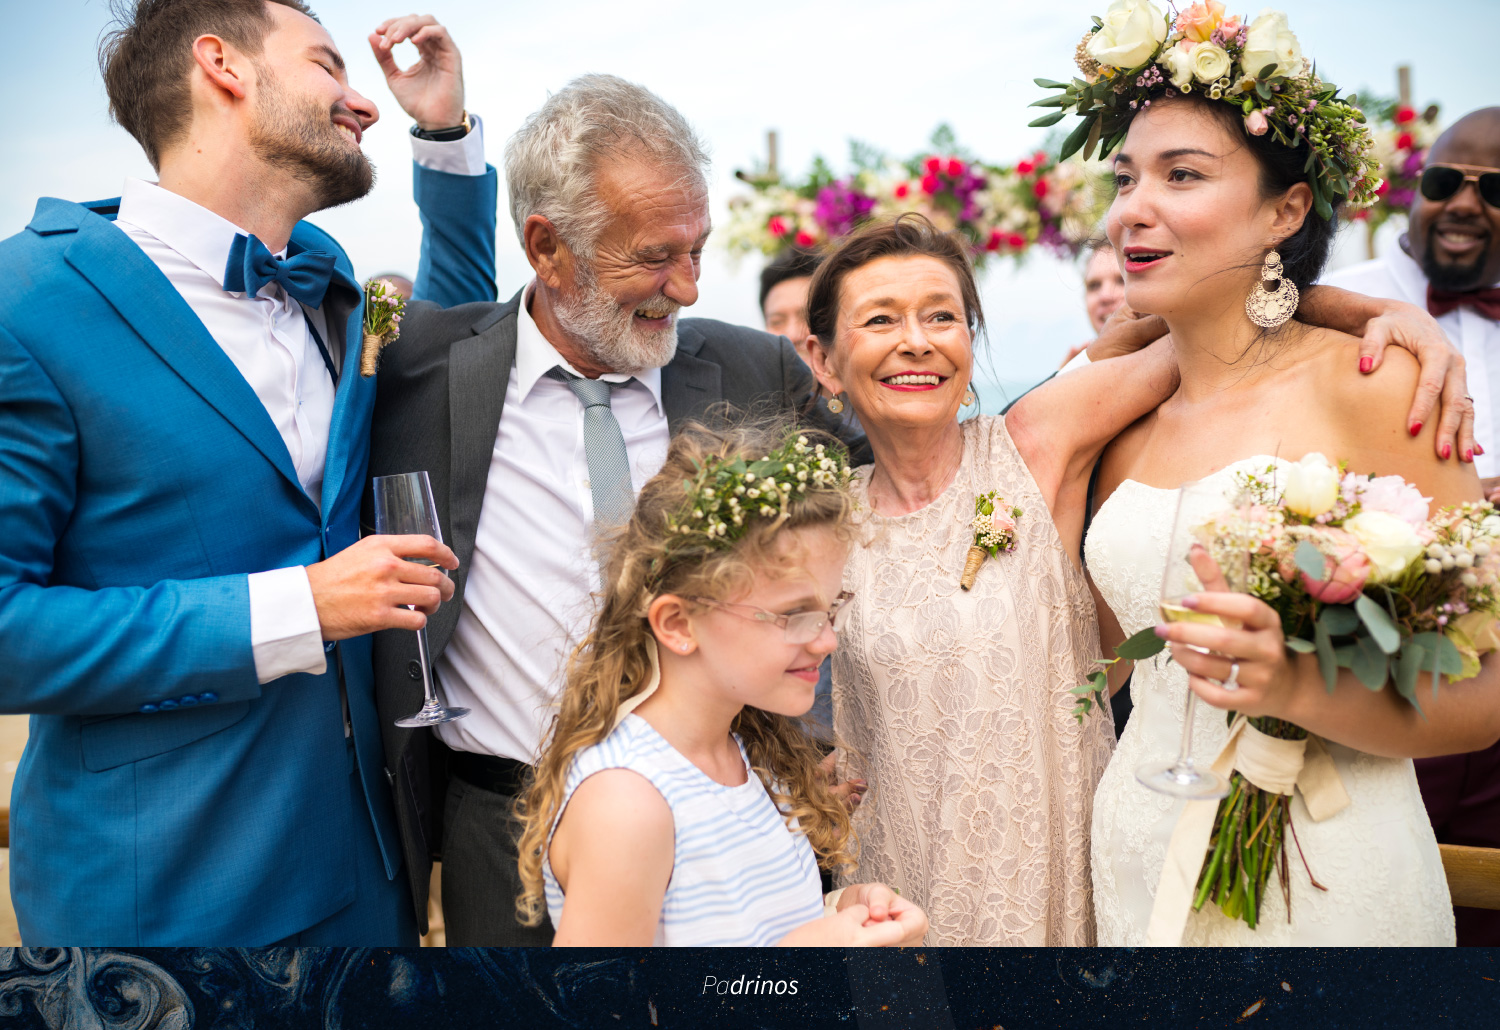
1366, 363
1447, 452
1416, 427
1469, 455
1478, 449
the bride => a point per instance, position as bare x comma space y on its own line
1204, 204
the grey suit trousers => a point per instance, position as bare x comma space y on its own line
481, 880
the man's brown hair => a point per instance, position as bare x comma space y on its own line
147, 59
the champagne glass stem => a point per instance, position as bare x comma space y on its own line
1185, 753
429, 688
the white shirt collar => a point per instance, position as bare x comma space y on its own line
535, 357
192, 230
1408, 274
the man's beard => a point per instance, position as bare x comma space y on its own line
1457, 278
304, 142
608, 333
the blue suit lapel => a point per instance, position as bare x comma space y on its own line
348, 432
144, 298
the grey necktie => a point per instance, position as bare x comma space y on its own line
604, 447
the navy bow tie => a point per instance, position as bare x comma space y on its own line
304, 274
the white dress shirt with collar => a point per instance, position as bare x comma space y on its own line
1395, 275
527, 601
266, 337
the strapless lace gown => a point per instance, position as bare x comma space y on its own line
1377, 857
957, 707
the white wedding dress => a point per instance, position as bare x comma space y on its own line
1377, 857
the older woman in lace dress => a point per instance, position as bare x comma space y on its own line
955, 704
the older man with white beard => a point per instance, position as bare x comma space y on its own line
538, 420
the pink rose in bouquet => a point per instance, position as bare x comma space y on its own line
1390, 494
1001, 524
1346, 567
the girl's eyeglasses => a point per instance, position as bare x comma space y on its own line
799, 627
1439, 182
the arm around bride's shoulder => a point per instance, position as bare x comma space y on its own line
1368, 414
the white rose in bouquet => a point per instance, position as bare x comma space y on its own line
1178, 61
1312, 486
1390, 542
1210, 62
1270, 42
1132, 31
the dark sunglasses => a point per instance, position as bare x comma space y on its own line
1439, 182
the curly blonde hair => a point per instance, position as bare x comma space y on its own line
611, 665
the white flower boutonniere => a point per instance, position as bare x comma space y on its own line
383, 310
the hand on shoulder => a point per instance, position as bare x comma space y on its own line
1368, 412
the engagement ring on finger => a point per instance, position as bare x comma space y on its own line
1232, 682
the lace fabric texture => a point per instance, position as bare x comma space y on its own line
956, 707
1378, 857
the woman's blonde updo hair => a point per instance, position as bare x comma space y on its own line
646, 560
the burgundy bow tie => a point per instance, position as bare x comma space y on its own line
1486, 302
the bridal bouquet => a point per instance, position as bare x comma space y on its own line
1366, 580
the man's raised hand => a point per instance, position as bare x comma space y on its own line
431, 91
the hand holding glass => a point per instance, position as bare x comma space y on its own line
1198, 503
404, 505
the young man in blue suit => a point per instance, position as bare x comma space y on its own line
184, 429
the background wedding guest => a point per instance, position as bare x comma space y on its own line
1103, 291
783, 305
183, 603
591, 371
403, 284
783, 294
1449, 260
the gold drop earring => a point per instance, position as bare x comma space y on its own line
836, 404
969, 397
1270, 309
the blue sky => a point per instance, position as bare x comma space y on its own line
818, 72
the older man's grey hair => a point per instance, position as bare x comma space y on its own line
552, 163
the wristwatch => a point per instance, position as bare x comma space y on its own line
458, 132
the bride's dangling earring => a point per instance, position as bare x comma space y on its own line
836, 404
1270, 309
969, 397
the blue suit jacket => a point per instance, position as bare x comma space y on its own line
165, 797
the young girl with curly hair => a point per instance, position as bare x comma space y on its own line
679, 799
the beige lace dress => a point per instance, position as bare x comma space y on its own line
955, 706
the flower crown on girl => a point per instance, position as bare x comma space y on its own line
726, 494
1137, 53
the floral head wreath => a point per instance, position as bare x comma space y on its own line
1136, 53
726, 495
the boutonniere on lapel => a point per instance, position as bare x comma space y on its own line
994, 528
383, 310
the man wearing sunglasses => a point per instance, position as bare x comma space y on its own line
1449, 260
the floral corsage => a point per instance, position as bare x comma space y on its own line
994, 528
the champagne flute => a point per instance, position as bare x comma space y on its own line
1197, 504
404, 505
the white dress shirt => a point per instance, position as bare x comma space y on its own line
527, 601
266, 337
1396, 276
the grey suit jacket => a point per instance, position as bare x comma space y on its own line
440, 397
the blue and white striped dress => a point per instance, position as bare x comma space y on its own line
740, 877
